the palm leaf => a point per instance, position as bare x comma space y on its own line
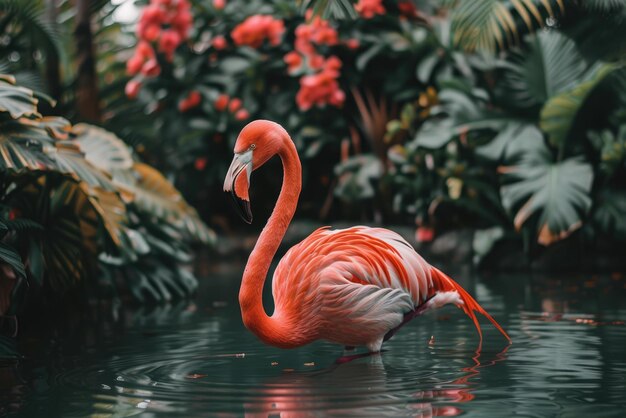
338, 9
493, 24
74, 217
603, 6
28, 20
10, 256
550, 66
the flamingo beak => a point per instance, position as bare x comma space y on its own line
237, 182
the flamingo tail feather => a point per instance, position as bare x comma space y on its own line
443, 283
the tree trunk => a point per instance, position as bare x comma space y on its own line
87, 103
53, 75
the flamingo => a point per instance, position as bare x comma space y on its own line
354, 286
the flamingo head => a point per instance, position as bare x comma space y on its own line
258, 142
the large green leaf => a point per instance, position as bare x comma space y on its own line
559, 113
551, 66
609, 211
102, 148
26, 143
157, 197
71, 160
17, 101
556, 192
495, 149
356, 175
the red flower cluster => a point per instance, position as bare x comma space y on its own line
370, 8
166, 23
234, 106
318, 32
321, 87
256, 29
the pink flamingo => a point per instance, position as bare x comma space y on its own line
354, 287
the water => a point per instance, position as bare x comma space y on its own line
196, 359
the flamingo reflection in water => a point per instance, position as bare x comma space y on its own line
363, 387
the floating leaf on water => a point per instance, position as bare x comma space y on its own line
196, 376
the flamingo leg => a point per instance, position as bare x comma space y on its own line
348, 359
407, 317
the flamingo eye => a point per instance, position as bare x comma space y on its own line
253, 146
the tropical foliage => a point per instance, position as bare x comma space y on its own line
490, 113
76, 204
501, 115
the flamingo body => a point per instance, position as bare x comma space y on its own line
352, 286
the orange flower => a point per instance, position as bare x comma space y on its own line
134, 64
219, 42
132, 89
407, 9
192, 100
293, 61
321, 88
316, 61
242, 114
370, 8
144, 50
168, 43
317, 31
256, 29
219, 4
353, 43
151, 68
153, 14
200, 163
424, 234
151, 33
221, 103
234, 105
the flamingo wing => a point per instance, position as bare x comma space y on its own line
354, 284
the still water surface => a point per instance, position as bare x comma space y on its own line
195, 358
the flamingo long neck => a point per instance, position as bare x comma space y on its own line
274, 330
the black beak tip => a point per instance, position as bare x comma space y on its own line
243, 209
